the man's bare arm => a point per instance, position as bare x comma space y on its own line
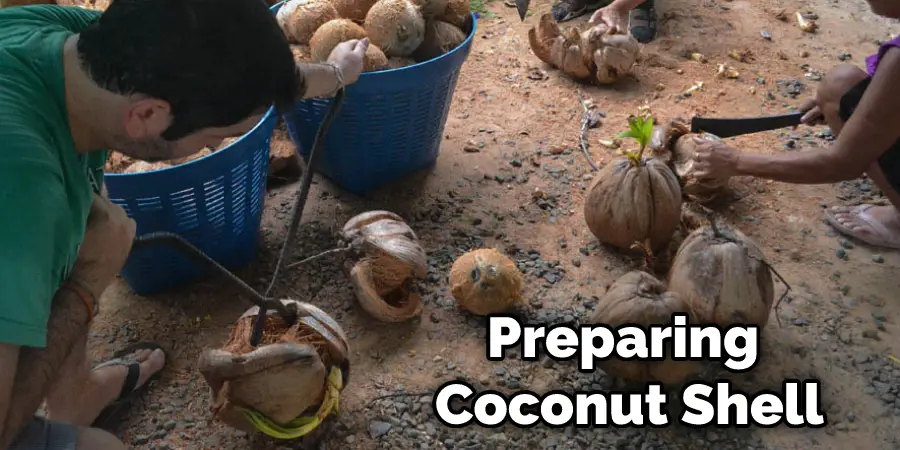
9, 360
38, 367
871, 130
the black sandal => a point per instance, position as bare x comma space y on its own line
566, 10
109, 418
643, 22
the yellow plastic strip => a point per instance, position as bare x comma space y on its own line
300, 426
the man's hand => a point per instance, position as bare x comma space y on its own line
813, 114
107, 242
349, 57
714, 160
612, 16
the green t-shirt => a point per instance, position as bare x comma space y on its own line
45, 186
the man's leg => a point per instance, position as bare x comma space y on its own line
876, 225
42, 434
80, 394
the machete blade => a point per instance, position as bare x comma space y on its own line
736, 127
522, 7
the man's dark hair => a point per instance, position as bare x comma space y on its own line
217, 62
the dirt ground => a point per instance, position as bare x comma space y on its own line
840, 321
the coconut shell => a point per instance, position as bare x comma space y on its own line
396, 305
628, 204
375, 59
395, 26
331, 34
457, 13
299, 19
485, 281
440, 38
354, 10
663, 139
721, 275
698, 190
638, 298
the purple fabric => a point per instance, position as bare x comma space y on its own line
872, 61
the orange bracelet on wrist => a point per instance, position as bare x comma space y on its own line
90, 301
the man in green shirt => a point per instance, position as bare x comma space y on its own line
155, 80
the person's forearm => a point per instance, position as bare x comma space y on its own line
626, 5
38, 368
316, 80
816, 166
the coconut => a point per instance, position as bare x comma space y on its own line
354, 10
630, 203
638, 298
285, 377
485, 281
301, 53
399, 61
431, 9
375, 59
440, 38
388, 257
145, 166
396, 26
457, 12
601, 53
331, 34
721, 274
299, 19
695, 189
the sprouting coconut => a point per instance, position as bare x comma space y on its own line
299, 19
721, 274
296, 371
485, 281
673, 143
634, 199
388, 257
440, 38
638, 298
457, 12
395, 26
332, 33
601, 53
354, 10
375, 59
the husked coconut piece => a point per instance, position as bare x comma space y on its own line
663, 139
389, 257
485, 281
440, 38
638, 298
601, 52
395, 26
354, 10
332, 33
299, 19
695, 189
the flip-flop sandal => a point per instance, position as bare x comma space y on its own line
879, 232
643, 22
566, 10
109, 418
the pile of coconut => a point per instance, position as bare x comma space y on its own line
401, 32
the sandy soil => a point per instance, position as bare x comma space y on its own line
839, 322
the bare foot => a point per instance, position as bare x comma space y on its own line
874, 225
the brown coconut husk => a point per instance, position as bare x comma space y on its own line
354, 10
299, 19
638, 298
285, 376
397, 27
695, 189
663, 139
722, 275
440, 38
388, 257
601, 53
628, 203
375, 59
485, 281
332, 33
457, 12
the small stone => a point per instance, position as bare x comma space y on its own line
170, 425
871, 334
766, 35
141, 439
877, 259
378, 429
841, 253
851, 417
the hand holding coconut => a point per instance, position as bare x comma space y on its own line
349, 57
714, 160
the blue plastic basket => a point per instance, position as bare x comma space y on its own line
390, 125
215, 202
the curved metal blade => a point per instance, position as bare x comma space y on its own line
522, 7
